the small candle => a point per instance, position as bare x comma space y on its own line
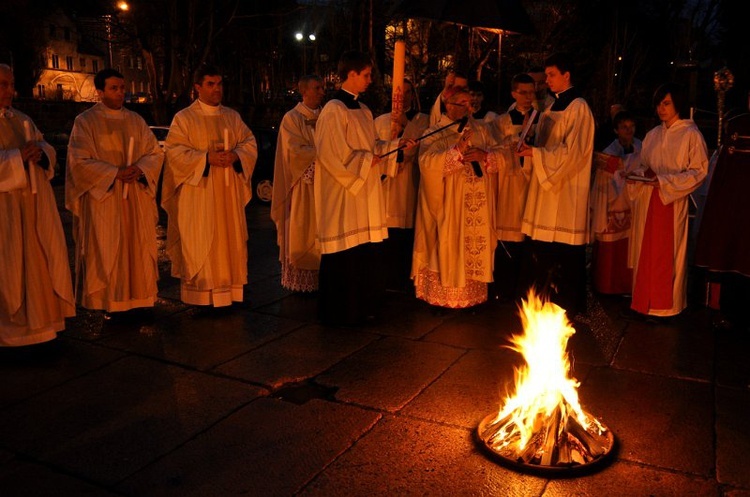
129, 161
226, 149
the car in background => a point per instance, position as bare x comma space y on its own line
160, 132
262, 181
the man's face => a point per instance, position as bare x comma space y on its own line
7, 88
211, 90
313, 94
113, 94
524, 95
360, 80
458, 106
540, 84
476, 98
556, 80
667, 111
625, 131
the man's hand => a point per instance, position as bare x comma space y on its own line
463, 142
474, 154
526, 151
129, 174
407, 143
31, 152
220, 159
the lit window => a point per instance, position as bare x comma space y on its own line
55, 61
40, 91
95, 66
69, 62
139, 62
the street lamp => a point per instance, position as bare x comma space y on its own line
122, 6
306, 43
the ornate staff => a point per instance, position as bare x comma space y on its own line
723, 81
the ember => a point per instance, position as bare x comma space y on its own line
542, 427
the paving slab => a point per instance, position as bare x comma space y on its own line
113, 421
732, 358
662, 422
667, 350
623, 479
402, 315
297, 356
268, 448
22, 479
408, 457
262, 290
302, 307
202, 338
389, 373
733, 436
487, 327
26, 371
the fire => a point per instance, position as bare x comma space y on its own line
542, 423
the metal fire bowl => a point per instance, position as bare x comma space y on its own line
559, 471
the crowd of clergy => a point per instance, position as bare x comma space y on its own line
458, 205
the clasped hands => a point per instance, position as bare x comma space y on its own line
222, 159
129, 174
31, 152
468, 152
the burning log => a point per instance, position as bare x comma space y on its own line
543, 427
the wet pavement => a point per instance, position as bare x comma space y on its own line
260, 399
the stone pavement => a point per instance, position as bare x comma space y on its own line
261, 400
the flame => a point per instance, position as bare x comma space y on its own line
543, 386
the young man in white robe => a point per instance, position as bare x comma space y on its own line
293, 203
556, 216
113, 168
211, 156
454, 240
350, 204
675, 160
36, 294
401, 191
512, 188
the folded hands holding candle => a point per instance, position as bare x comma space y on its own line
31, 152
222, 158
129, 174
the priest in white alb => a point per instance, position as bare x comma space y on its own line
293, 202
113, 168
211, 156
36, 294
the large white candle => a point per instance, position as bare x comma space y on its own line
397, 94
32, 175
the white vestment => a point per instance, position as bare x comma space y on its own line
454, 240
36, 294
679, 157
512, 182
557, 203
401, 190
350, 204
293, 203
207, 232
116, 262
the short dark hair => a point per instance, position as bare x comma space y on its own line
103, 75
520, 79
622, 116
353, 60
562, 61
679, 97
203, 71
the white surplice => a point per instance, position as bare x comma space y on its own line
115, 238
207, 231
512, 182
679, 157
401, 190
557, 203
350, 204
455, 239
293, 202
36, 294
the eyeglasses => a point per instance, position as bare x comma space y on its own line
529, 93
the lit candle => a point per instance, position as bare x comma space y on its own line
32, 176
